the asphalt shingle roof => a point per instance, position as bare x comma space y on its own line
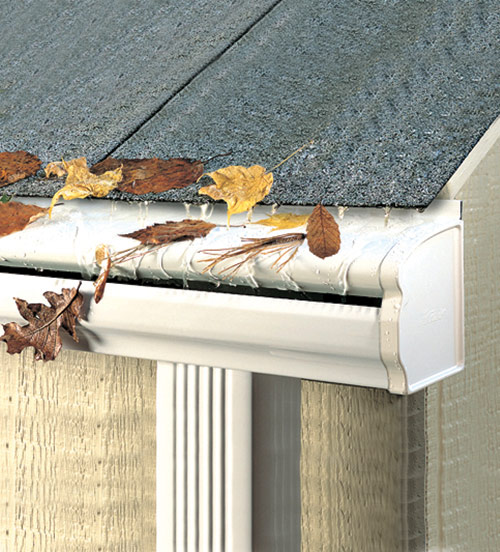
395, 94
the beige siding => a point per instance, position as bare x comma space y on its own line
463, 413
77, 441
361, 469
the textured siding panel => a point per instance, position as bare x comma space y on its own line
361, 469
78, 454
463, 414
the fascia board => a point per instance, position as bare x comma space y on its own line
311, 340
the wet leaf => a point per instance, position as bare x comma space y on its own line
142, 176
283, 245
240, 187
283, 221
323, 235
16, 165
103, 258
171, 231
81, 183
44, 323
15, 216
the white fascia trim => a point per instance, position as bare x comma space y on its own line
413, 262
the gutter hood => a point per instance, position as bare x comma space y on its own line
410, 261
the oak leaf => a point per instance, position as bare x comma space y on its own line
240, 187
142, 176
16, 165
171, 231
81, 183
15, 216
103, 258
323, 234
44, 323
283, 221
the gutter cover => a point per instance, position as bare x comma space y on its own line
411, 260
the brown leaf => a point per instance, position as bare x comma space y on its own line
142, 176
44, 323
171, 231
16, 165
103, 258
15, 216
323, 235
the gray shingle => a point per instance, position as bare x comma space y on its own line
394, 93
77, 77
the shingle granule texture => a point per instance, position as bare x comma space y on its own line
395, 95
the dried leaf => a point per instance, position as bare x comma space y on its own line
60, 168
240, 187
171, 231
81, 183
44, 323
323, 235
283, 221
103, 258
15, 216
286, 245
142, 176
16, 165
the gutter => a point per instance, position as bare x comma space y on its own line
411, 262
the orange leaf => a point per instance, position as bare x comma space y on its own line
15, 216
323, 235
171, 231
17, 165
142, 176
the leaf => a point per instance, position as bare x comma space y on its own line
142, 176
284, 244
16, 165
171, 231
60, 168
323, 235
81, 183
240, 187
15, 216
283, 221
103, 258
44, 323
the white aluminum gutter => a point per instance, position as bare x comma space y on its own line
412, 261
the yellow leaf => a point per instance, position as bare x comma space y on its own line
59, 168
240, 187
284, 221
81, 183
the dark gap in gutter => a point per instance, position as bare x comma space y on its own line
189, 81
195, 285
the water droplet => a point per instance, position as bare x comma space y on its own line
342, 210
